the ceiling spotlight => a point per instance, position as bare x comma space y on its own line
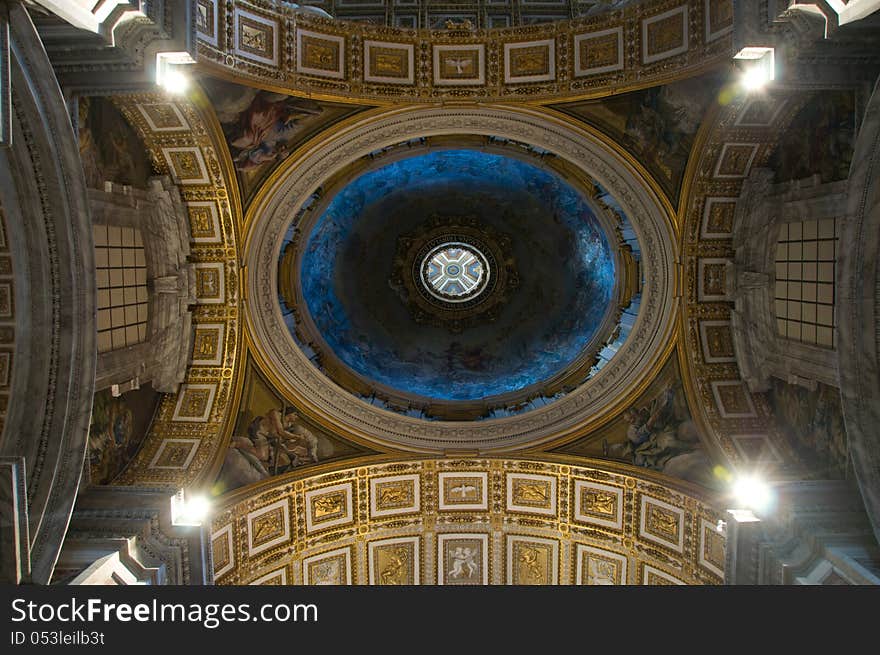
752, 493
758, 68
175, 82
170, 71
754, 78
189, 510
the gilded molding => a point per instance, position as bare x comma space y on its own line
192, 427
267, 44
729, 147
273, 209
468, 521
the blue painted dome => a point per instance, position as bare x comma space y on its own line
564, 266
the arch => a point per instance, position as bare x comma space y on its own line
43, 196
475, 521
858, 288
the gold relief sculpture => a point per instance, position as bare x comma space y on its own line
328, 506
735, 160
532, 562
530, 492
459, 64
653, 579
182, 143
452, 24
462, 557
394, 494
389, 62
720, 219
720, 15
220, 551
174, 455
464, 490
320, 54
627, 21
600, 51
394, 564
206, 343
720, 341
201, 222
714, 280
663, 523
742, 431
267, 526
163, 116
733, 399
665, 34
207, 283
713, 547
531, 60
598, 503
255, 37
194, 403
186, 164
328, 571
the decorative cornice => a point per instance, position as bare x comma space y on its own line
270, 216
46, 208
647, 529
643, 44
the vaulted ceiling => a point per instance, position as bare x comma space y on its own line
597, 165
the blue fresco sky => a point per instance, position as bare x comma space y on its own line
562, 256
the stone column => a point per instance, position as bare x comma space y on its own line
52, 369
858, 291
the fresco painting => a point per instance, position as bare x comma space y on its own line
658, 125
117, 430
564, 262
819, 140
812, 422
109, 148
262, 127
656, 432
272, 437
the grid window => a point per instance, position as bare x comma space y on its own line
121, 273
805, 261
